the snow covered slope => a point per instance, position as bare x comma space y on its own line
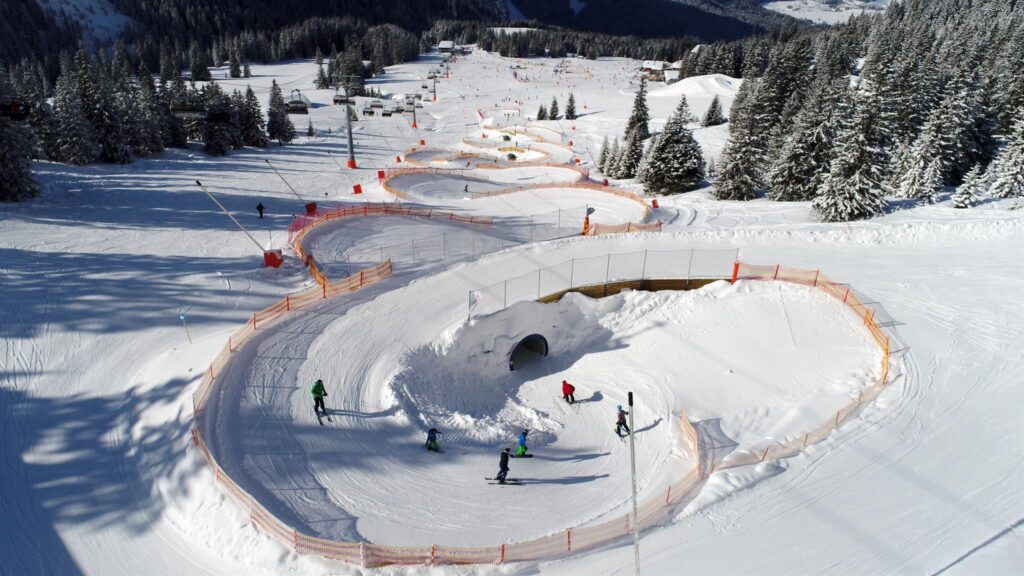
100, 21
826, 11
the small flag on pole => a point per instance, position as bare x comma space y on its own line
590, 210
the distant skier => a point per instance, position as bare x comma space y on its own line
465, 189
620, 422
318, 397
568, 391
521, 451
260, 208
503, 466
432, 442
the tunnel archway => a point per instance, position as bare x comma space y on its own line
529, 349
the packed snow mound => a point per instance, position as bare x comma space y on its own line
698, 86
463, 380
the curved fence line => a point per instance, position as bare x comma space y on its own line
651, 512
583, 185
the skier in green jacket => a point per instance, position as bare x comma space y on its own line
318, 397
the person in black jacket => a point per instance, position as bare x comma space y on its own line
503, 466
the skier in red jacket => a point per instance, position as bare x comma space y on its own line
567, 392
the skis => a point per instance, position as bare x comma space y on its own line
513, 481
320, 416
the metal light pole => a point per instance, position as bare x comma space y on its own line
632, 463
348, 128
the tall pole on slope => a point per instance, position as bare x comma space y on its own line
632, 464
348, 127
225, 210
301, 199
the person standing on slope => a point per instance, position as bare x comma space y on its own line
567, 392
521, 451
432, 443
318, 396
260, 208
503, 466
620, 422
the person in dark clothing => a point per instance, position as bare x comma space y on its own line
432, 442
318, 396
503, 466
260, 208
620, 422
568, 391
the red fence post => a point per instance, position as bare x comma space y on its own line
568, 539
777, 266
288, 303
324, 287
735, 270
502, 560
847, 295
765, 455
295, 539
433, 552
668, 495
816, 272
254, 322
360, 278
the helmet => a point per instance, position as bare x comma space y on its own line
526, 431
508, 449
319, 381
619, 407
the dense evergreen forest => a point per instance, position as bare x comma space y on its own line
902, 104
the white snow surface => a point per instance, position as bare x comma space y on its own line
101, 22
827, 11
100, 476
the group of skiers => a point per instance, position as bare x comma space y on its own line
434, 444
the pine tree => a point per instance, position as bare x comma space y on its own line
630, 155
570, 107
216, 128
239, 110
97, 95
279, 126
674, 162
198, 65
968, 192
712, 169
252, 126
40, 118
1007, 179
804, 161
246, 72
172, 131
931, 185
553, 111
736, 178
853, 189
235, 70
309, 130
76, 140
613, 158
542, 113
915, 183
322, 83
319, 57
17, 183
640, 116
713, 117
602, 159
150, 139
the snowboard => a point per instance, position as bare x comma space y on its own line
516, 481
523, 456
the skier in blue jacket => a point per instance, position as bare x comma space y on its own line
521, 451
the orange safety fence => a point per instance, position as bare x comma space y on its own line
650, 513
599, 229
846, 295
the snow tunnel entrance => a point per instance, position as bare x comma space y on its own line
529, 349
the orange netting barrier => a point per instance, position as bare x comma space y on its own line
651, 512
599, 229
842, 293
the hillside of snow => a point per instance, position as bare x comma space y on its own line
122, 282
101, 23
826, 11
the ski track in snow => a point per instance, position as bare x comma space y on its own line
96, 373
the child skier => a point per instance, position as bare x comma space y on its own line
432, 442
503, 466
620, 422
521, 451
567, 392
318, 397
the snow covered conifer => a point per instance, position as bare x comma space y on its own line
853, 188
309, 130
674, 162
612, 159
1007, 180
76, 140
17, 183
321, 79
712, 169
713, 117
602, 158
253, 127
246, 72
570, 107
542, 113
736, 178
279, 127
630, 154
235, 69
969, 191
197, 63
553, 111
640, 116
217, 140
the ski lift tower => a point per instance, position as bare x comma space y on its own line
346, 82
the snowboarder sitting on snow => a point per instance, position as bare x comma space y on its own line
318, 396
432, 443
567, 392
620, 422
521, 451
503, 466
